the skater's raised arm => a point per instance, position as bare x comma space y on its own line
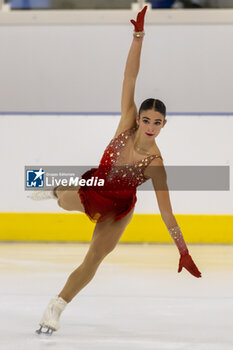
159, 180
128, 89
128, 107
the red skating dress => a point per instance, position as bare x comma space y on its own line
118, 195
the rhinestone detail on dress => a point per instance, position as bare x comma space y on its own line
128, 174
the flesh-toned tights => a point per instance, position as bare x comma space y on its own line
105, 238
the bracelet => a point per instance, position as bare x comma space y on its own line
138, 34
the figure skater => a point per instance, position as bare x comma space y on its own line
124, 166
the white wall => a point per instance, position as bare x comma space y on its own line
81, 140
73, 61
79, 68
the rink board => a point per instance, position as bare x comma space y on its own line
142, 228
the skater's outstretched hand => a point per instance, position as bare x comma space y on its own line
139, 24
187, 262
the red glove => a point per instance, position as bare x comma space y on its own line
139, 24
187, 262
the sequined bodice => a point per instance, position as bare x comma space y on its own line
124, 176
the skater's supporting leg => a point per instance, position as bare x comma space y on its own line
105, 237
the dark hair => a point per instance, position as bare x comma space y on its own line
154, 104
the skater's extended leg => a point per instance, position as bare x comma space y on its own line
68, 198
105, 237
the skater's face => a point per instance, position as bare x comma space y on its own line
150, 123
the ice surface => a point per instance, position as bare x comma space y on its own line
137, 300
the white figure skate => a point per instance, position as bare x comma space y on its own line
42, 195
51, 317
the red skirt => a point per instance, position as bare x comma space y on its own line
100, 204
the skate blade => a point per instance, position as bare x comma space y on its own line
49, 330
